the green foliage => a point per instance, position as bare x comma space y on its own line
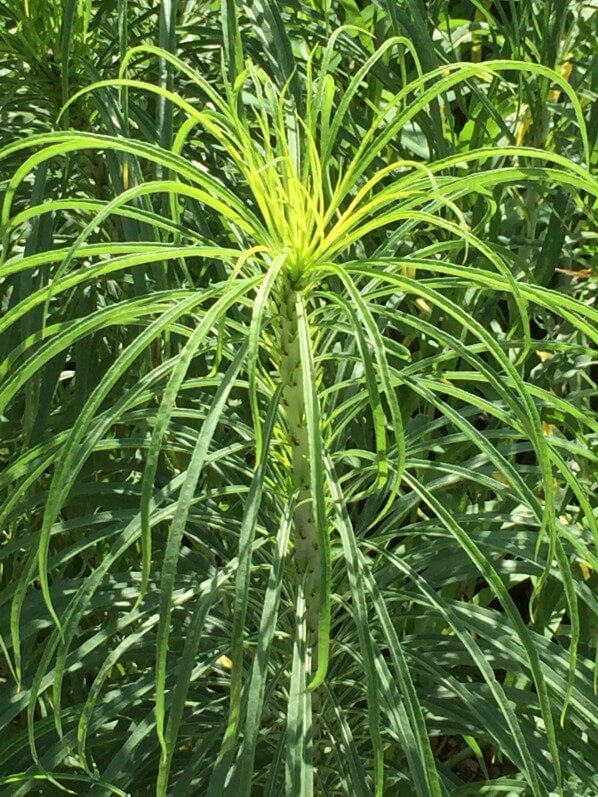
295, 401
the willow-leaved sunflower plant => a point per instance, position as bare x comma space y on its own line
275, 538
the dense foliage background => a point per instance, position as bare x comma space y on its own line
297, 443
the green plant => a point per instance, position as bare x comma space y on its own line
329, 471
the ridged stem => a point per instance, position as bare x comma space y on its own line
307, 553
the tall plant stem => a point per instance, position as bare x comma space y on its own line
307, 553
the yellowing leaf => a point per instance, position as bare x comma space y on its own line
500, 477
566, 70
523, 127
585, 571
423, 307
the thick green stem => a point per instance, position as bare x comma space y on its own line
307, 553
